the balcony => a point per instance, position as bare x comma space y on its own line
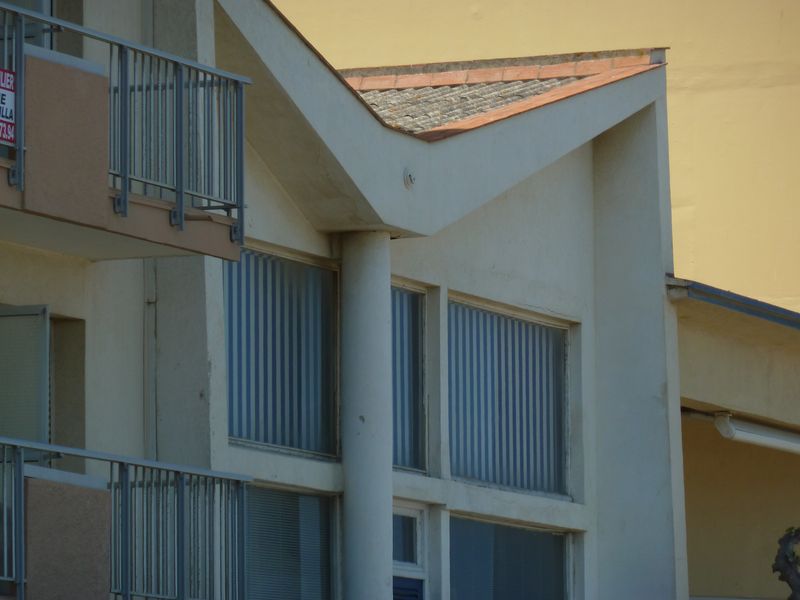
134, 153
81, 524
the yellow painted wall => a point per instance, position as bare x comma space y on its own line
739, 500
734, 102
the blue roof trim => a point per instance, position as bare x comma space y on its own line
736, 302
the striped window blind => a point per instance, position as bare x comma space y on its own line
496, 562
407, 373
507, 400
288, 546
280, 318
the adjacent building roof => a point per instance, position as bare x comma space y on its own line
434, 101
686, 288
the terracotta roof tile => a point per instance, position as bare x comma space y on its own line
440, 100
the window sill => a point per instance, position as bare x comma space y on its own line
284, 450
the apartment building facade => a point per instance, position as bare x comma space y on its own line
396, 355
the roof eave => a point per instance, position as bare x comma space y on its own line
682, 289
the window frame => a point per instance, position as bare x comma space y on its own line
417, 288
334, 266
569, 327
570, 541
334, 532
419, 569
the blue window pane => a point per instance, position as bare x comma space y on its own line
280, 318
495, 562
288, 546
404, 539
407, 378
507, 400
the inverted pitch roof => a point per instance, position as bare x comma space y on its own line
435, 101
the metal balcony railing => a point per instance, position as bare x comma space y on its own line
176, 532
176, 127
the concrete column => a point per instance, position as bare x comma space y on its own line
366, 416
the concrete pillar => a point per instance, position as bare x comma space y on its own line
366, 416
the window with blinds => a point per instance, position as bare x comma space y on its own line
407, 378
280, 317
288, 546
506, 400
495, 562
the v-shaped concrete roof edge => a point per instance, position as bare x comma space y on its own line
346, 169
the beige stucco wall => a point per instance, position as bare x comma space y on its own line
733, 80
109, 298
739, 500
68, 541
739, 363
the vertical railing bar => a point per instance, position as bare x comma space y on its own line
139, 114
113, 537
219, 190
241, 541
171, 114
209, 162
143, 129
19, 521
125, 530
190, 141
226, 129
239, 237
133, 112
159, 533
192, 530
4, 512
112, 162
6, 16
147, 115
194, 133
153, 531
121, 200
159, 121
136, 529
211, 539
146, 489
180, 538
195, 541
224, 557
151, 121
177, 213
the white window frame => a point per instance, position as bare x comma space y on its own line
418, 569
328, 264
570, 401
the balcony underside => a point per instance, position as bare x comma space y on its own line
50, 234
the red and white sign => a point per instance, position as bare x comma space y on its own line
8, 122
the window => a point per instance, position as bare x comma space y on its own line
281, 352
407, 383
495, 562
407, 589
507, 400
404, 531
409, 548
288, 546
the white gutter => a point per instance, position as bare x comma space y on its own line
747, 432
